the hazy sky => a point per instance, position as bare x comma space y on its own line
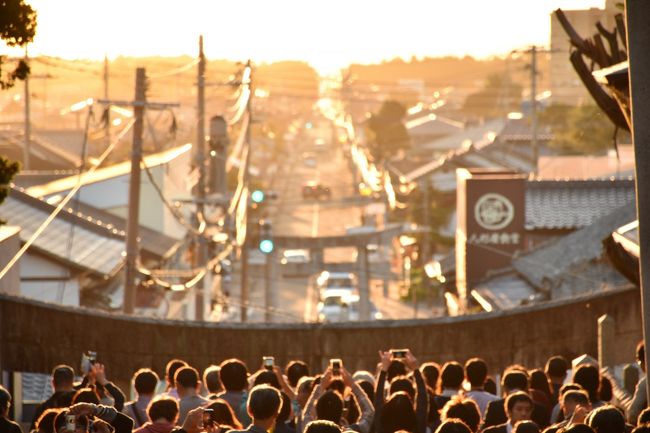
329, 34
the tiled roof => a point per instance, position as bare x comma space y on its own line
521, 130
474, 134
566, 267
587, 166
504, 291
492, 154
431, 123
95, 246
151, 241
109, 172
43, 154
553, 265
573, 204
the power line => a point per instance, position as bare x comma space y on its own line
63, 202
175, 71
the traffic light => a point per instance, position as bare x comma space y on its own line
259, 200
265, 244
258, 196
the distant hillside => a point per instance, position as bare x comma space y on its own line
466, 72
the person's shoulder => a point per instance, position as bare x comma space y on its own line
500, 428
495, 403
9, 426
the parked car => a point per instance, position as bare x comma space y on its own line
315, 190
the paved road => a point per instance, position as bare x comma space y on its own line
295, 297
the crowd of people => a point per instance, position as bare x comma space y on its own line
401, 396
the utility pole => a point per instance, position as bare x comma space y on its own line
364, 283
200, 193
132, 224
533, 105
217, 181
107, 138
28, 122
247, 80
133, 220
268, 302
638, 41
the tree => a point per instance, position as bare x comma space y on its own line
7, 171
499, 96
388, 135
17, 29
583, 130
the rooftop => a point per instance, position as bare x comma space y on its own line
556, 262
101, 174
563, 268
71, 238
578, 167
571, 204
86, 238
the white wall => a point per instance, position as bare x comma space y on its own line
112, 195
60, 292
9, 246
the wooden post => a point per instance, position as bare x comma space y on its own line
606, 341
638, 42
132, 223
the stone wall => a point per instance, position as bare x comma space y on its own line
36, 336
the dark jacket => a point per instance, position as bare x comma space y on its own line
495, 414
501, 428
8, 426
57, 400
421, 402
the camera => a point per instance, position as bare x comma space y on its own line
268, 362
88, 358
336, 365
207, 417
398, 353
71, 422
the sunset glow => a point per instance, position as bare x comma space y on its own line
329, 35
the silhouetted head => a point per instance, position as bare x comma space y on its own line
329, 406
431, 373
211, 379
322, 426
397, 414
452, 375
171, 369
295, 370
222, 414
606, 419
402, 383
453, 426
588, 376
233, 374
145, 381
163, 407
526, 427
464, 409
476, 372
264, 403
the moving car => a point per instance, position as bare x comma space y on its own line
315, 190
294, 257
339, 305
345, 281
309, 159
